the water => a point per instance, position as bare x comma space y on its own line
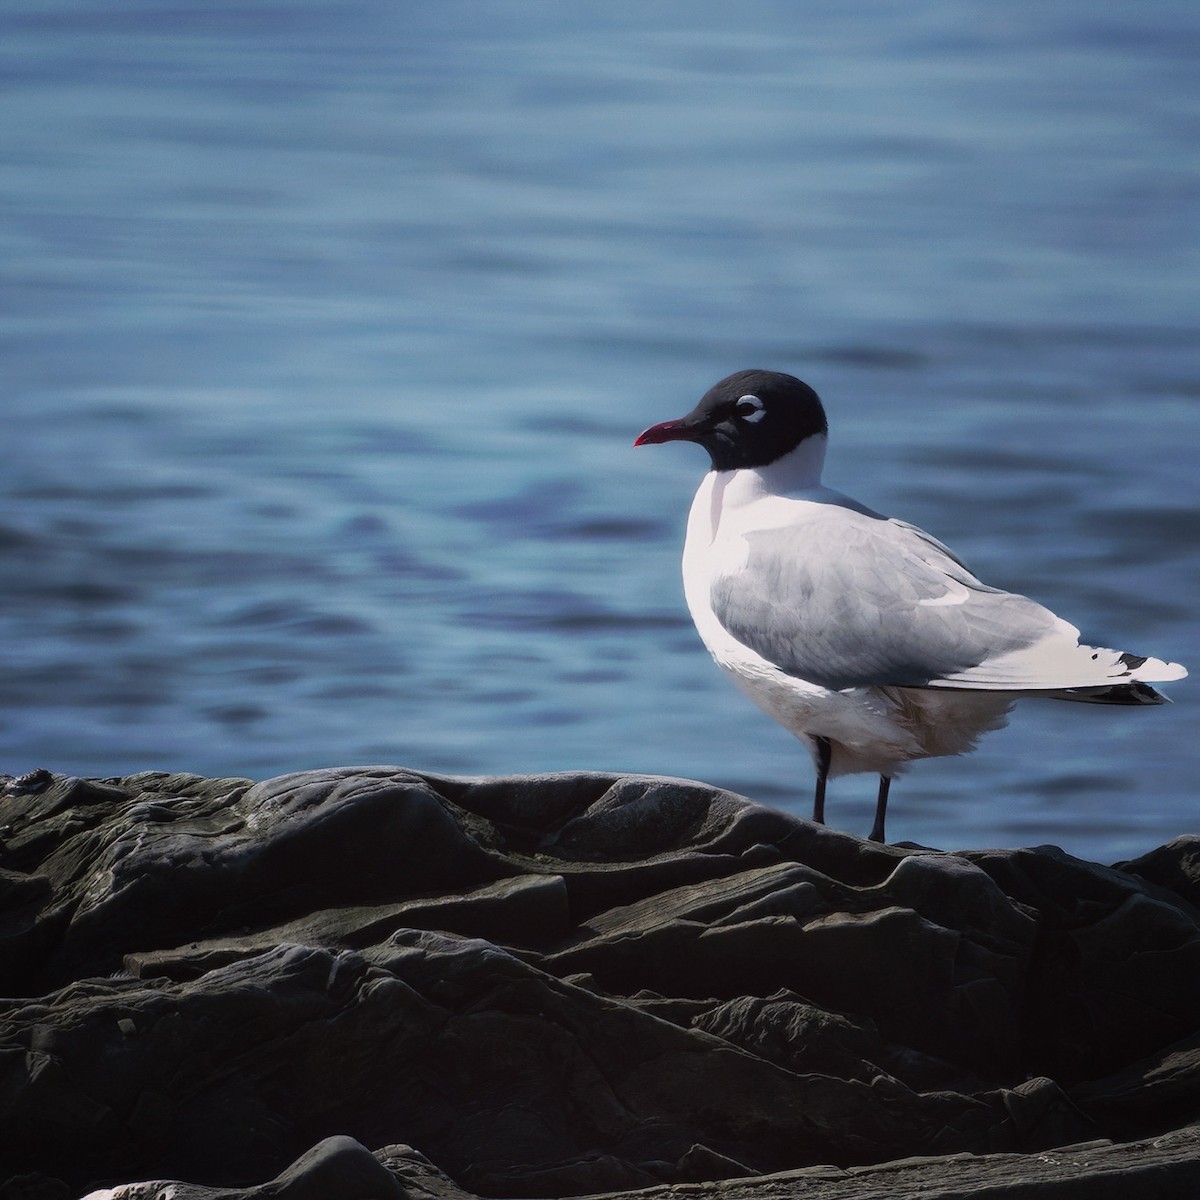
327, 329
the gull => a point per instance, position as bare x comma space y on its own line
863, 635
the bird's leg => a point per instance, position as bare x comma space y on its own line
885, 782
824, 756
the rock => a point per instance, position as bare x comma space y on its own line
377, 982
1175, 866
335, 1167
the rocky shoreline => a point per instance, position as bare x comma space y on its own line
378, 982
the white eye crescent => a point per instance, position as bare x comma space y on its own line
749, 408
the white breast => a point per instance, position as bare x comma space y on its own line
873, 729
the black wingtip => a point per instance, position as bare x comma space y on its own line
1120, 693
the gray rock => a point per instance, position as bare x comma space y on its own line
567, 984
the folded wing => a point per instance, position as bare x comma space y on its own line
849, 599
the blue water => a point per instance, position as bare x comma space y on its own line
326, 329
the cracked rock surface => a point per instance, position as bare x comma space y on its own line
375, 982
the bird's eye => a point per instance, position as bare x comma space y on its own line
749, 408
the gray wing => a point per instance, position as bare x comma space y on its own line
852, 599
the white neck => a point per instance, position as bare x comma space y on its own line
797, 471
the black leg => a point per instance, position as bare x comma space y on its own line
885, 782
824, 755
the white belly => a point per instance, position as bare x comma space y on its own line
875, 729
